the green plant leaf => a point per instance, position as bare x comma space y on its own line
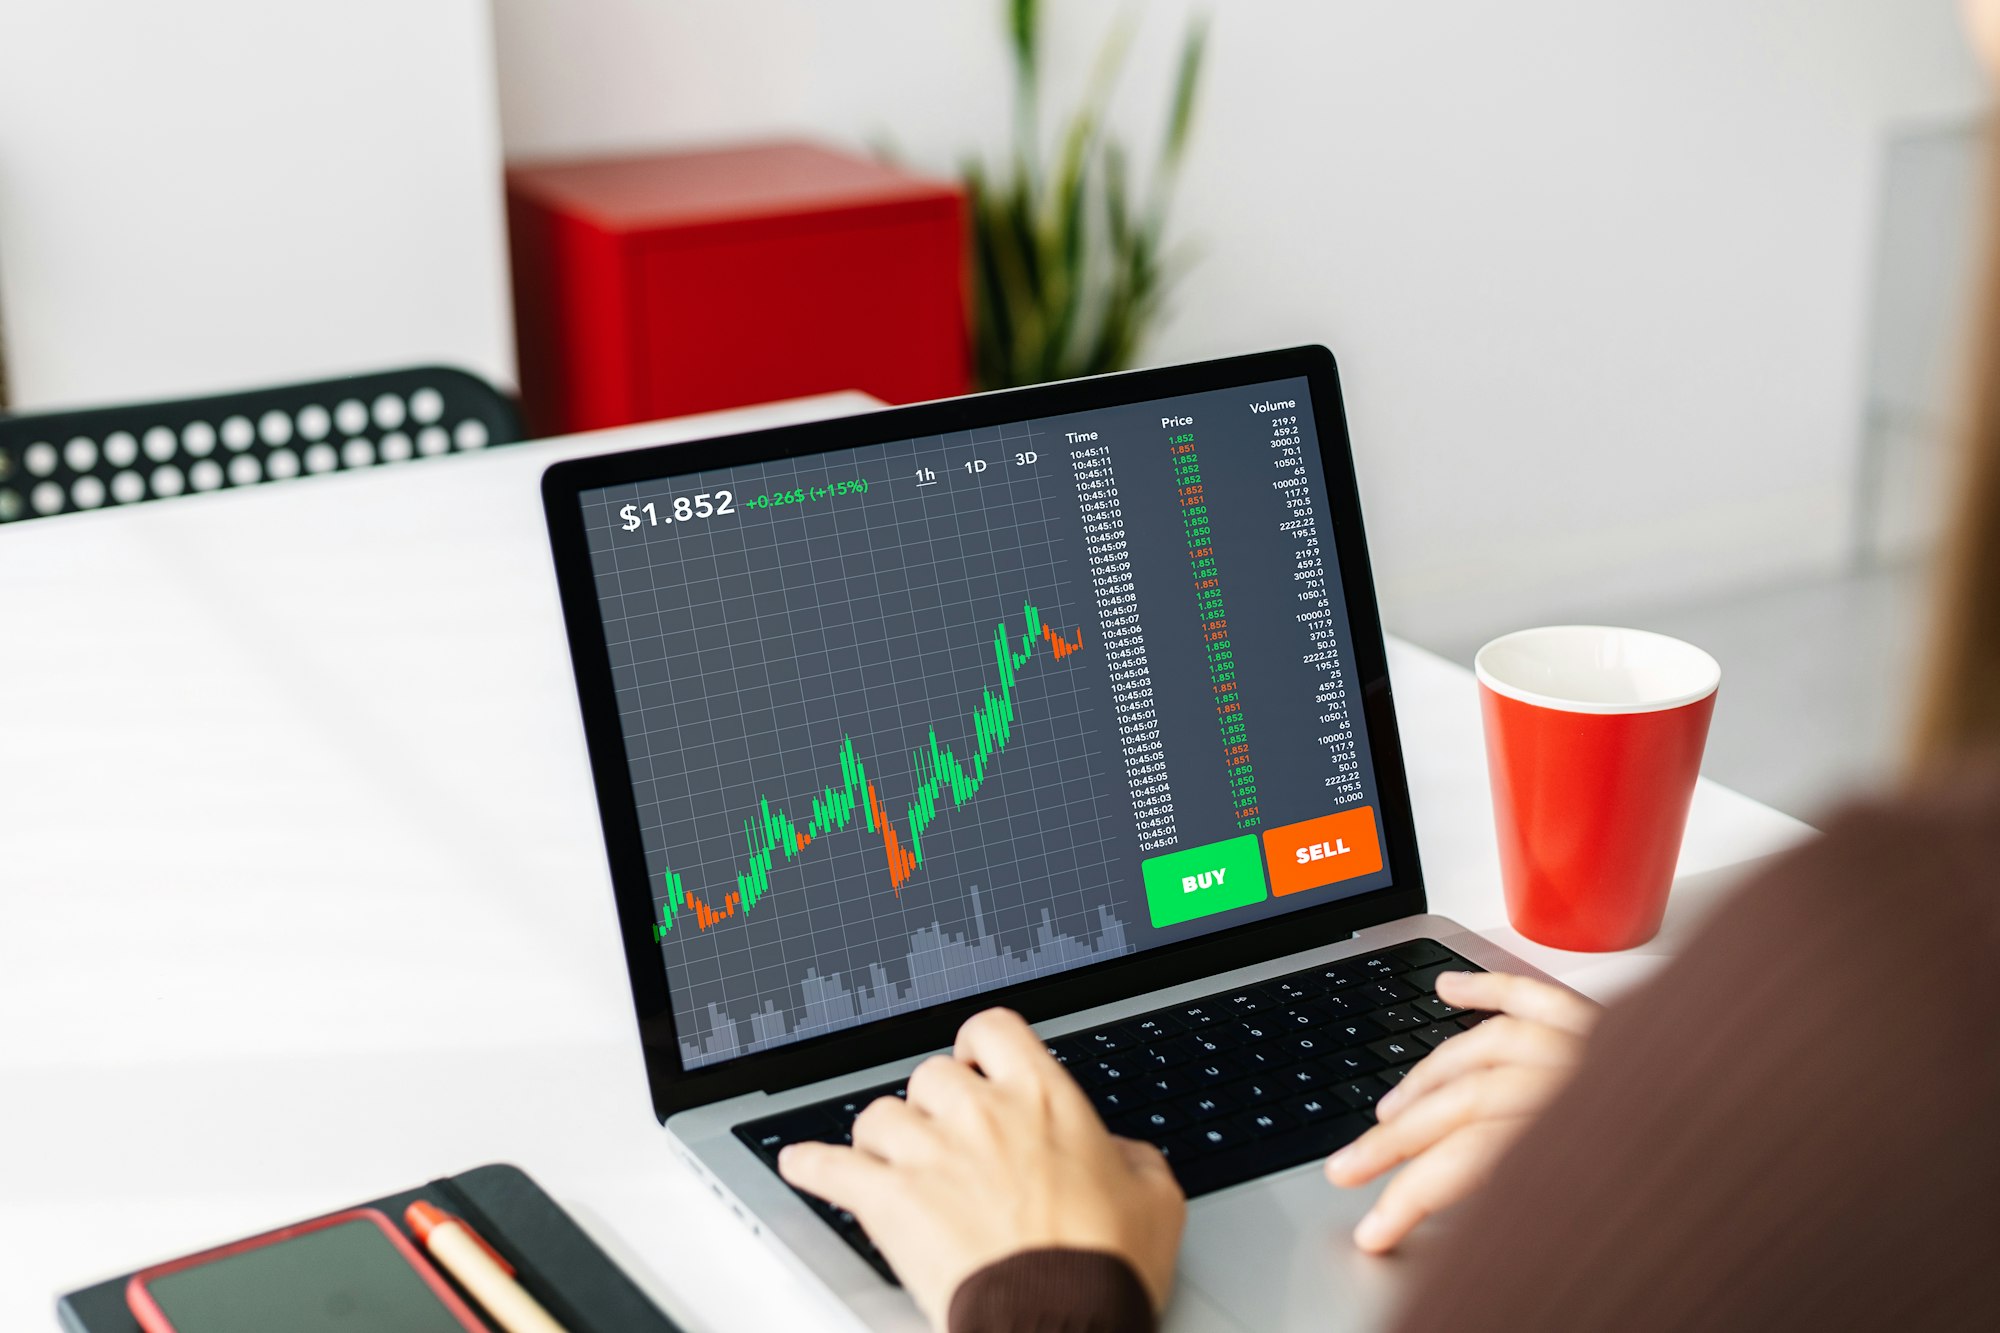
1066, 267
1117, 210
1110, 64
1024, 25
990, 320
1180, 112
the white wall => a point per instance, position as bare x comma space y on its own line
212, 194
1597, 272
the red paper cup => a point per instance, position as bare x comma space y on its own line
1593, 741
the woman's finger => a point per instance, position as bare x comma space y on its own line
944, 1084
1003, 1047
1487, 1094
1440, 1178
1523, 997
1497, 1041
1144, 1158
842, 1176
895, 1131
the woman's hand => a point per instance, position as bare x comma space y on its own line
995, 1151
1462, 1106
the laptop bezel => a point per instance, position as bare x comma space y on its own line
675, 1088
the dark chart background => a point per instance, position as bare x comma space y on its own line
747, 646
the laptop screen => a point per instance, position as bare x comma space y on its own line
913, 721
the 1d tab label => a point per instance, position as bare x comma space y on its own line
1201, 881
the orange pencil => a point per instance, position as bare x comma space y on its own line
461, 1252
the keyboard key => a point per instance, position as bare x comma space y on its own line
1069, 1051
1265, 1059
1216, 1136
1302, 1076
1311, 1048
1155, 1026
1398, 1017
1213, 1041
1252, 1091
1348, 972
1088, 1074
1171, 1083
847, 1108
1425, 978
1265, 1122
807, 1123
1394, 1074
1195, 1016
1166, 1054
1354, 1031
1106, 1041
1359, 1094
1398, 1050
1437, 1008
766, 1142
1383, 965
1301, 986
1157, 1123
1118, 1068
1423, 953
1436, 1034
1219, 1070
1317, 1106
1248, 1000
1348, 1003
1472, 1018
1388, 991
1207, 1105
1352, 1062
1295, 1018
1259, 1029
1114, 1098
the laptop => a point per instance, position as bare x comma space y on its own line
1070, 698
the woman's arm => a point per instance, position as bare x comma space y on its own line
1796, 1126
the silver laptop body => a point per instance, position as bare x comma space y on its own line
1274, 1253
1071, 698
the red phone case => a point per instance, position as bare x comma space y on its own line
152, 1320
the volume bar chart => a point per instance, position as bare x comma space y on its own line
774, 837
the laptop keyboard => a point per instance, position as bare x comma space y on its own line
1230, 1087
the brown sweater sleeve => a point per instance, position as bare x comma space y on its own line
1052, 1291
1797, 1125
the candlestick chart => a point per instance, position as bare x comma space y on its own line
944, 778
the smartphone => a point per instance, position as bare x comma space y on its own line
351, 1272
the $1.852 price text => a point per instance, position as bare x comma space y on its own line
683, 509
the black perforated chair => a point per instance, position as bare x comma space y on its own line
60, 462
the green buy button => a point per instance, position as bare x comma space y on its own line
1200, 881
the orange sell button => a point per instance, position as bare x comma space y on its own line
1322, 851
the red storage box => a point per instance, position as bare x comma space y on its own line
655, 286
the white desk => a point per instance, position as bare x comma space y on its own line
297, 837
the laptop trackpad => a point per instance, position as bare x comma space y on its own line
1279, 1253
